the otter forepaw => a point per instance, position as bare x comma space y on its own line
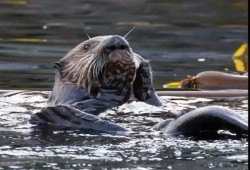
143, 85
72, 118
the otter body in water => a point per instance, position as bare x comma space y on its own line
205, 122
100, 73
103, 72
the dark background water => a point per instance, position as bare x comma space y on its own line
178, 37
174, 35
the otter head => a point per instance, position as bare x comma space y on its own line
93, 63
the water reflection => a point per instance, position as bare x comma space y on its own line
173, 35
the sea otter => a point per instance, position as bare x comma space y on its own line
100, 73
103, 72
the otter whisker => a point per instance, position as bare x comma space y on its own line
99, 65
88, 35
94, 69
137, 59
102, 62
129, 32
127, 39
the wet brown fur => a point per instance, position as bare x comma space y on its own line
89, 68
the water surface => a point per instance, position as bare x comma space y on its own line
173, 35
179, 38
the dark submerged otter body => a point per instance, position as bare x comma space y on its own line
205, 122
103, 72
98, 74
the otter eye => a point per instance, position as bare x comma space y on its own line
86, 46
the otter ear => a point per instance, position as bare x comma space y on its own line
59, 66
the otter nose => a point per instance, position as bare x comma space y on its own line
115, 43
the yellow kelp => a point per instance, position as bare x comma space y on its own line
172, 85
240, 58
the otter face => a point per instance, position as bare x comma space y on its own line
102, 61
